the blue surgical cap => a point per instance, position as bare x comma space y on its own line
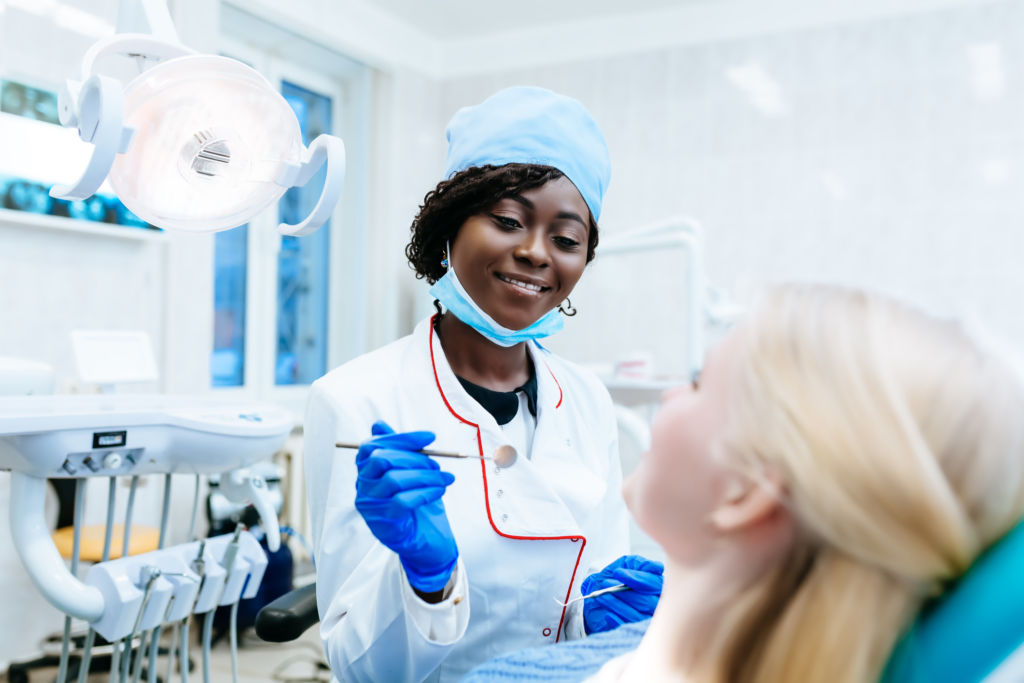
528, 125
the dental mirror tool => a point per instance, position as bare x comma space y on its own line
504, 456
609, 589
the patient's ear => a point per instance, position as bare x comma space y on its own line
748, 502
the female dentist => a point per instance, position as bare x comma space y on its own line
414, 587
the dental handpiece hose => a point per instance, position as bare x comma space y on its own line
183, 625
149, 576
154, 647
229, 556
83, 666
199, 567
227, 561
231, 552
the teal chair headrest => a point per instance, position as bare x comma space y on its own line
970, 630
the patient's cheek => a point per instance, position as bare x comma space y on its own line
629, 491
639, 497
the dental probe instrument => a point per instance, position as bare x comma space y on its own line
504, 456
602, 591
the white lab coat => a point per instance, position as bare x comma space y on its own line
526, 534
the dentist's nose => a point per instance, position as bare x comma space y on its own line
533, 248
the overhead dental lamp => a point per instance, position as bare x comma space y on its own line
194, 142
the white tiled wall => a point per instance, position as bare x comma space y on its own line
886, 171
407, 161
55, 281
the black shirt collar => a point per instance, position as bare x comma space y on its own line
503, 405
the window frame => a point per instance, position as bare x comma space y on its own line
349, 92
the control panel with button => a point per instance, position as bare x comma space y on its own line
102, 462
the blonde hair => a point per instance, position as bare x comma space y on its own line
901, 445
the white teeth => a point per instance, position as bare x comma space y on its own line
525, 285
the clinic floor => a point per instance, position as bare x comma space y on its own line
258, 662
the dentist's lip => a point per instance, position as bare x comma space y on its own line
524, 283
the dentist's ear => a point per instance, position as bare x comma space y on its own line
748, 502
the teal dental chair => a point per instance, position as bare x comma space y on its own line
975, 632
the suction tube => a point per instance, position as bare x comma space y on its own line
39, 555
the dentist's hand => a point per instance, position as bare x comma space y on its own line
398, 493
611, 610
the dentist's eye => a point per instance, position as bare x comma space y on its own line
567, 243
506, 222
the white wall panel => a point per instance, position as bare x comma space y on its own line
55, 281
886, 172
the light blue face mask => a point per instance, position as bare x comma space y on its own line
453, 296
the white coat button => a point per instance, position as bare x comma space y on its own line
504, 518
501, 492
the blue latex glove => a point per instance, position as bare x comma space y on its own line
611, 610
398, 493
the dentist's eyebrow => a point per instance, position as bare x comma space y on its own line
569, 215
564, 215
522, 200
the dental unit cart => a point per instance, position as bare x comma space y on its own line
124, 435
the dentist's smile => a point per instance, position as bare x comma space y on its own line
523, 286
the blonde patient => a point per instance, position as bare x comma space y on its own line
841, 458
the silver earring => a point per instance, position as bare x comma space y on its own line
567, 309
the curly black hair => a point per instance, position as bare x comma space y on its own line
466, 194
